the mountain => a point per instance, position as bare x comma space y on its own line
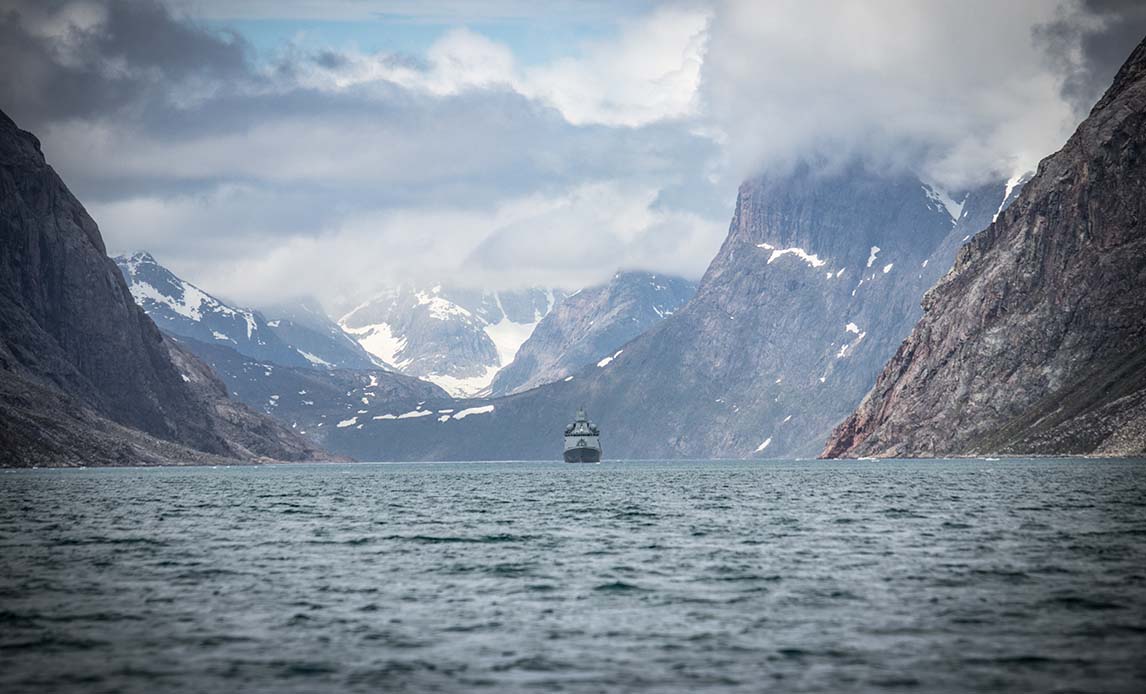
86, 378
1035, 342
818, 281
591, 325
313, 401
456, 338
305, 326
300, 334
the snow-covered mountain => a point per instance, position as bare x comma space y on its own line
590, 326
305, 326
180, 308
456, 338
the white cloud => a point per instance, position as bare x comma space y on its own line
649, 72
958, 91
570, 239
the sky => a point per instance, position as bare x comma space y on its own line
268, 150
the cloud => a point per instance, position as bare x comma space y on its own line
959, 92
327, 170
1088, 41
334, 171
648, 72
76, 59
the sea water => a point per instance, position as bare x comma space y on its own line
678, 576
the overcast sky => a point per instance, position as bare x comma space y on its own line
268, 149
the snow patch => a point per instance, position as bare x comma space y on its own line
379, 339
608, 360
1011, 183
317, 361
347, 423
944, 200
871, 256
852, 328
484, 409
764, 444
809, 258
508, 337
415, 413
463, 387
887, 268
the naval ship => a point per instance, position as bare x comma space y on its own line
582, 442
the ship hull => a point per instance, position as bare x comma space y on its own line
583, 455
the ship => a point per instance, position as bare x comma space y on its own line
582, 440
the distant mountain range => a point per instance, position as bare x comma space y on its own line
589, 326
456, 338
294, 363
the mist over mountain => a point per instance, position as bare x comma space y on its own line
1036, 341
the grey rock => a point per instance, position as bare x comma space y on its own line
312, 402
1035, 342
591, 325
85, 376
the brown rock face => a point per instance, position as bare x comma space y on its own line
85, 376
1036, 341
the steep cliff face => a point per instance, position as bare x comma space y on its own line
590, 326
81, 366
1035, 342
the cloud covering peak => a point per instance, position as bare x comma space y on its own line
309, 164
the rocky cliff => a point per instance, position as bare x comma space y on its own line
590, 326
1035, 342
85, 376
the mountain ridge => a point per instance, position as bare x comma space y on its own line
1018, 341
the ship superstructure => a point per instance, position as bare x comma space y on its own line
582, 440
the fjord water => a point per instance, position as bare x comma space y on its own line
793, 576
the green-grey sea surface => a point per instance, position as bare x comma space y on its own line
959, 575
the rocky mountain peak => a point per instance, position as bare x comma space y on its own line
1034, 342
